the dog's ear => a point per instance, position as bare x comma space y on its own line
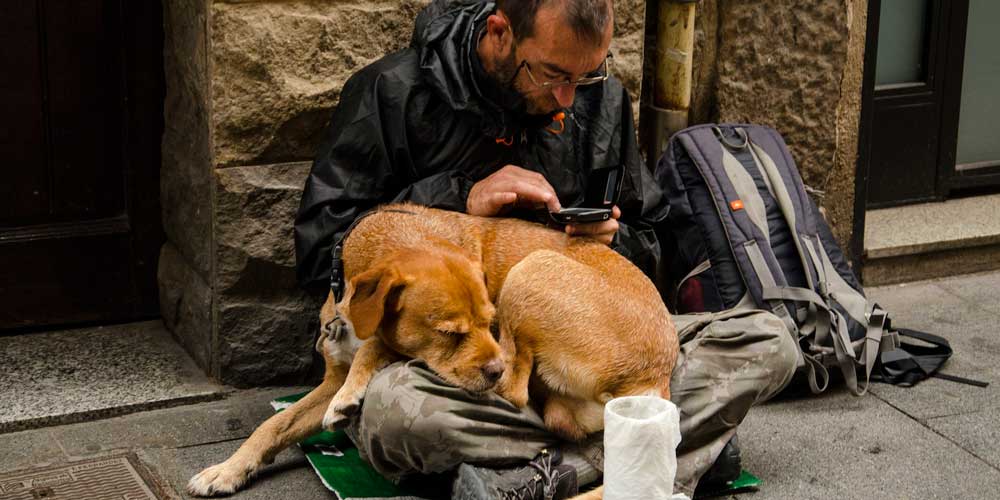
371, 290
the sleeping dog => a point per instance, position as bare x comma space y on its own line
489, 304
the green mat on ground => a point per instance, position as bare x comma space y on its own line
336, 461
746, 483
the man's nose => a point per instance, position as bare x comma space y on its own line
564, 95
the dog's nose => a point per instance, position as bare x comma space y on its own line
493, 370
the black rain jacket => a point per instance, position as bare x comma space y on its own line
422, 125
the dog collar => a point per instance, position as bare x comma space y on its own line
337, 263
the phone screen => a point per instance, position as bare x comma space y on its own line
603, 187
611, 187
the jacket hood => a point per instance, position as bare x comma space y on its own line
445, 35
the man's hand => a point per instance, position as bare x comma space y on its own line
509, 187
603, 231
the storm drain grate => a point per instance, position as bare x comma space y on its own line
99, 479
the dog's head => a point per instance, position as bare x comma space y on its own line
430, 304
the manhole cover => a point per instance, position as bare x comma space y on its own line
99, 479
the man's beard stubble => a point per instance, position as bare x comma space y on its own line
513, 99
506, 71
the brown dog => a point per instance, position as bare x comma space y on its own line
573, 320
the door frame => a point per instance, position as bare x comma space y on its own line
862, 166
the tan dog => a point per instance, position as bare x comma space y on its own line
573, 320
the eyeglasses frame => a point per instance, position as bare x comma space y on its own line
554, 85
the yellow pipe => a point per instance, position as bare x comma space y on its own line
674, 49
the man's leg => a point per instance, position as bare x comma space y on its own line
412, 421
728, 362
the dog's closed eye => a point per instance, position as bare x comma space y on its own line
451, 333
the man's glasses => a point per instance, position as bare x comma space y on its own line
598, 76
602, 74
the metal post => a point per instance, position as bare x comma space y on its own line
672, 84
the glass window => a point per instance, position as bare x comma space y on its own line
902, 42
978, 141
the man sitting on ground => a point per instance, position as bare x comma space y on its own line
499, 110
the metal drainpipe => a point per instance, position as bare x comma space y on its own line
672, 83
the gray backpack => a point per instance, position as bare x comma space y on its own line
742, 232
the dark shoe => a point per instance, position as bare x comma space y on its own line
727, 468
544, 478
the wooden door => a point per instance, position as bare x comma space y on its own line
81, 110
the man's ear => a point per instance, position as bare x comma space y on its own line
371, 290
498, 26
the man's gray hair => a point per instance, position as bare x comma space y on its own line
587, 18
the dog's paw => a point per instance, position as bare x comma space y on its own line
518, 398
339, 414
333, 421
221, 479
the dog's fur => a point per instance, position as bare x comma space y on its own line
574, 321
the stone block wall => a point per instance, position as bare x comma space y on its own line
250, 88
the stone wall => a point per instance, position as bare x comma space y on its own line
251, 86
186, 181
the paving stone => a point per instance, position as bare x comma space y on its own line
290, 476
70, 376
179, 427
26, 449
844, 447
981, 290
977, 432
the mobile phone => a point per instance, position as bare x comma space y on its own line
603, 188
580, 215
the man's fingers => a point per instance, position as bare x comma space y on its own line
530, 192
511, 185
616, 212
528, 184
553, 203
593, 229
501, 198
505, 197
493, 203
600, 231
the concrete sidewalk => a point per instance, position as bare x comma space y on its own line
936, 440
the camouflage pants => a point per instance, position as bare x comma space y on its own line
414, 422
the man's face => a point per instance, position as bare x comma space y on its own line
554, 53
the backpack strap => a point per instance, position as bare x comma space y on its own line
830, 297
732, 191
769, 276
917, 362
